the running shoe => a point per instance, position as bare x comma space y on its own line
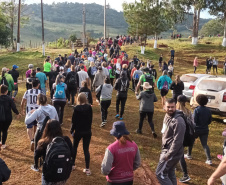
121, 118
185, 179
138, 131
34, 168
3, 146
209, 162
154, 135
219, 156
117, 116
186, 156
87, 171
102, 124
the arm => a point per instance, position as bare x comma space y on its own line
138, 96
116, 86
138, 86
90, 97
155, 98
22, 106
73, 123
136, 163
13, 106
30, 117
107, 162
195, 116
98, 89
159, 83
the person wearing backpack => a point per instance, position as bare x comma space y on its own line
136, 76
121, 86
202, 119
177, 86
7, 79
153, 71
72, 85
92, 72
5, 172
59, 97
81, 128
99, 78
84, 89
15, 74
181, 101
7, 105
55, 170
42, 78
111, 73
163, 85
40, 115
173, 132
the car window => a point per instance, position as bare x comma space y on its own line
212, 85
187, 78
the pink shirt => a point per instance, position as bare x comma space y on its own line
195, 63
122, 167
28, 73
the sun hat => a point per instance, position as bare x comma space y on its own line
119, 129
15, 66
181, 98
30, 66
146, 85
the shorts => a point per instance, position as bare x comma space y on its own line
34, 123
160, 65
163, 92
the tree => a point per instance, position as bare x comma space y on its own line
73, 38
213, 27
150, 17
186, 6
218, 8
4, 30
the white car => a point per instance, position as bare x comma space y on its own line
214, 87
190, 82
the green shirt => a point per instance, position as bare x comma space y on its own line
143, 79
47, 67
10, 81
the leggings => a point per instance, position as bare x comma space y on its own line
71, 94
104, 105
183, 166
195, 69
123, 183
59, 105
4, 131
150, 116
123, 103
86, 141
38, 135
214, 67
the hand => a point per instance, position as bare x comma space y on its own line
32, 111
23, 113
18, 116
166, 158
211, 181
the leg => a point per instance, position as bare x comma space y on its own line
117, 104
142, 116
57, 107
37, 137
103, 110
133, 84
203, 138
86, 142
216, 70
150, 116
183, 166
62, 105
16, 90
76, 141
5, 132
107, 106
123, 103
69, 95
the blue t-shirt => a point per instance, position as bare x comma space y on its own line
42, 78
172, 52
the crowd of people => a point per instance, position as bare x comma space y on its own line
96, 70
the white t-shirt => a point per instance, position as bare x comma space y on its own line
118, 66
82, 75
31, 97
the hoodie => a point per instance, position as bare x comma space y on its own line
82, 119
106, 92
40, 114
147, 99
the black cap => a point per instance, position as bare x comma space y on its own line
181, 98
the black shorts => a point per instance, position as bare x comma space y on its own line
163, 92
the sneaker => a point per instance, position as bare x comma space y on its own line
34, 168
105, 121
154, 135
73, 167
186, 156
209, 162
121, 118
3, 146
219, 157
32, 146
102, 124
117, 116
138, 131
185, 179
68, 103
87, 171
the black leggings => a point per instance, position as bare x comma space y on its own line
4, 131
150, 116
38, 135
71, 94
104, 105
214, 67
183, 166
86, 141
123, 103
123, 183
59, 106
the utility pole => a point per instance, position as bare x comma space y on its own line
43, 38
104, 19
84, 25
18, 30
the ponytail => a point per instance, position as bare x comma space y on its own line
177, 79
3, 73
124, 138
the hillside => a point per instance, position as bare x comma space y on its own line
63, 19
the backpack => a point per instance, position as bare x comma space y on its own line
136, 77
165, 86
60, 92
58, 164
123, 86
113, 71
149, 79
72, 80
99, 93
4, 81
2, 111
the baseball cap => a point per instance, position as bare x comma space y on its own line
4, 69
61, 68
15, 66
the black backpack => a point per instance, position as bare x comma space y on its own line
58, 163
2, 111
123, 86
4, 81
99, 93
113, 71
149, 79
72, 80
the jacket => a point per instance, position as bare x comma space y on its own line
99, 79
15, 75
173, 135
10, 81
106, 92
147, 99
177, 88
82, 119
5, 172
162, 80
111, 72
88, 94
118, 85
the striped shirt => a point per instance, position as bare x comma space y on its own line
31, 97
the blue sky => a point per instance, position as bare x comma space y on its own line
114, 4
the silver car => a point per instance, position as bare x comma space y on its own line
190, 82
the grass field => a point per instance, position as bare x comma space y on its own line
19, 157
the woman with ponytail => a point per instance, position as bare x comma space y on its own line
177, 86
7, 79
121, 157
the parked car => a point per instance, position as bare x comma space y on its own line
214, 87
190, 82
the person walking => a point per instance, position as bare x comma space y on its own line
40, 115
112, 73
51, 132
30, 68
7, 105
118, 68
31, 79
84, 89
177, 86
202, 119
42, 78
121, 86
173, 132
72, 84
163, 85
92, 72
172, 52
121, 157
147, 99
99, 78
67, 67
7, 79
15, 74
81, 128
160, 62
215, 64
82, 75
105, 99
47, 66
59, 97
195, 64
